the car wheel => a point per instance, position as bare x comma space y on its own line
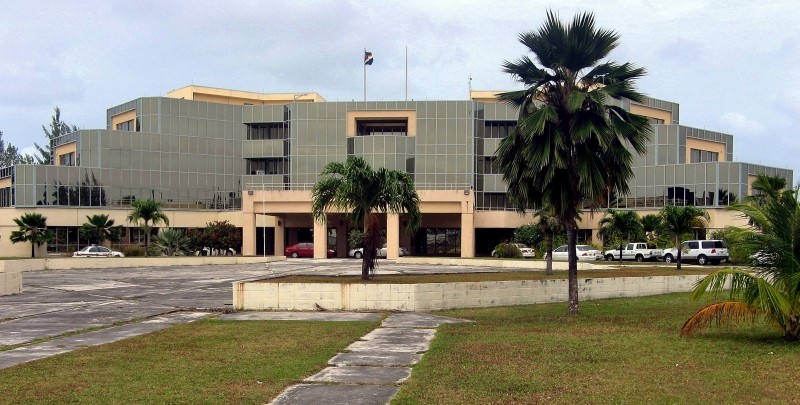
358, 255
639, 258
702, 260
609, 257
668, 259
295, 255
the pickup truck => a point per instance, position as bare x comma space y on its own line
634, 251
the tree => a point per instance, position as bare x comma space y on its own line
771, 289
98, 228
679, 221
550, 226
572, 142
222, 235
33, 229
144, 212
57, 128
651, 225
9, 154
529, 234
172, 242
767, 187
620, 226
353, 186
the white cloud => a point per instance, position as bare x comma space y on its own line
740, 124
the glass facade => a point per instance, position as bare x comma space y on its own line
201, 155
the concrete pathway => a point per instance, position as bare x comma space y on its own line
370, 370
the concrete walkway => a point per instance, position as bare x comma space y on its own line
370, 370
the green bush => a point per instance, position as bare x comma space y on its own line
133, 251
508, 251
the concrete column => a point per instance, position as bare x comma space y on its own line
249, 234
467, 229
392, 236
280, 230
320, 240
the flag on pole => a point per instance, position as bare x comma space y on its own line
367, 58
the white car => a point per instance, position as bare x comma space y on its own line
359, 253
702, 251
97, 251
584, 252
527, 252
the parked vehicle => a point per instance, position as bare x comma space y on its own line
304, 249
701, 251
359, 253
527, 252
635, 251
97, 251
584, 252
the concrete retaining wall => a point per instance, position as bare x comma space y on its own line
509, 264
10, 282
261, 295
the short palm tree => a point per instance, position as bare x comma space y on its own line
620, 226
772, 290
33, 229
550, 225
172, 242
145, 212
573, 142
98, 228
353, 186
651, 225
679, 221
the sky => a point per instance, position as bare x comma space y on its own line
731, 65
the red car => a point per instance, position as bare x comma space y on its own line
304, 249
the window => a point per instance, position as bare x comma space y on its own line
125, 126
268, 166
499, 129
702, 156
655, 121
67, 159
388, 126
269, 130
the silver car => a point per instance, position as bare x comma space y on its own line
584, 252
359, 253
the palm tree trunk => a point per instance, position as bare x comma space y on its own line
33, 250
549, 269
678, 259
572, 271
372, 241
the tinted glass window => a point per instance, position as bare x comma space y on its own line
582, 248
693, 245
708, 244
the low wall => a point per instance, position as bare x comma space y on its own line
69, 263
261, 295
10, 282
509, 264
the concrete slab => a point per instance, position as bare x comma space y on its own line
362, 375
304, 316
417, 320
336, 394
394, 340
375, 359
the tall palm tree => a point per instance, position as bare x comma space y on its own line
679, 221
771, 289
353, 186
767, 187
33, 229
98, 228
620, 226
573, 141
144, 212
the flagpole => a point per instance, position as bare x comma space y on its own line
365, 76
406, 73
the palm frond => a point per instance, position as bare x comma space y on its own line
728, 311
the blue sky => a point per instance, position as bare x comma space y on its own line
732, 66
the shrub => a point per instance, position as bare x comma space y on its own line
507, 250
133, 251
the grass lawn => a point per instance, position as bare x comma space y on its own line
620, 351
204, 362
